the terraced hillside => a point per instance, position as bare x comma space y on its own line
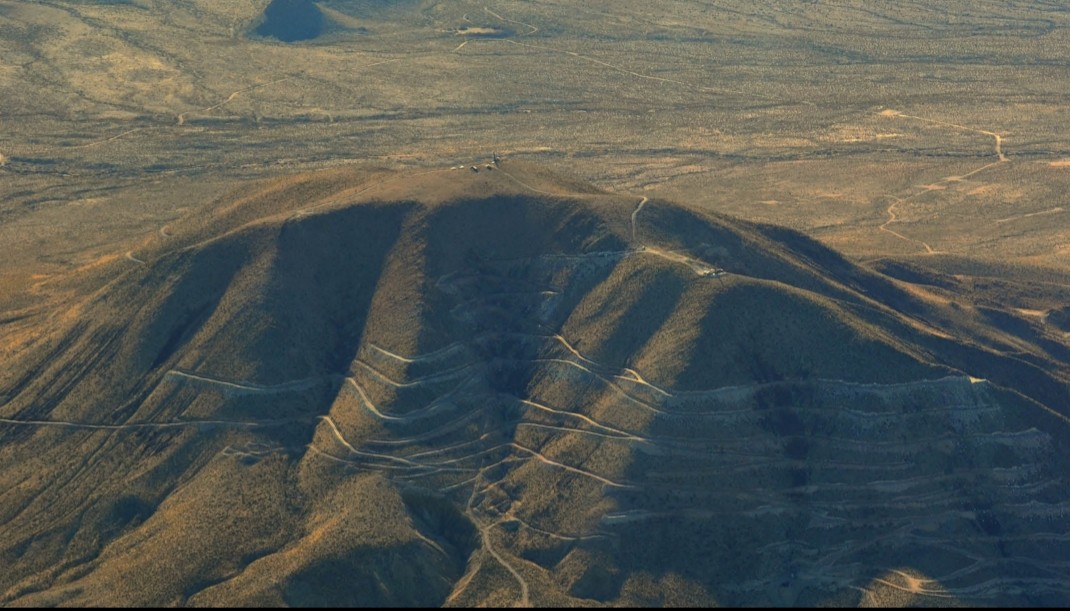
499, 386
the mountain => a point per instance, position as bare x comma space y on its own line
496, 385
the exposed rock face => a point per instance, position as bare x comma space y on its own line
496, 387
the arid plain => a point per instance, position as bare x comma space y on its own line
535, 302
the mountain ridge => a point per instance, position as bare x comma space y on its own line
540, 380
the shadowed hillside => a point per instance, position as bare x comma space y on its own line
497, 386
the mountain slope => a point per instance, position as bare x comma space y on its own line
499, 386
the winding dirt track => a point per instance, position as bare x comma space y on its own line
892, 218
1055, 210
609, 430
429, 356
249, 387
148, 425
452, 374
488, 545
635, 377
635, 216
553, 463
998, 138
701, 268
113, 138
890, 210
181, 118
470, 458
528, 25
